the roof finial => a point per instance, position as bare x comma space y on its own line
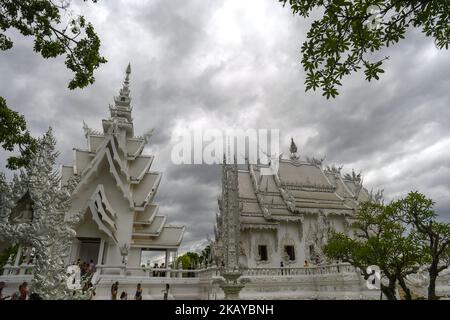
128, 72
293, 150
124, 94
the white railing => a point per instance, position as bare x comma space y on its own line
23, 269
123, 270
205, 273
300, 271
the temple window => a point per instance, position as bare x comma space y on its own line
290, 252
262, 253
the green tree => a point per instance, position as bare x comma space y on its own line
205, 255
14, 134
76, 39
378, 241
432, 236
189, 260
348, 34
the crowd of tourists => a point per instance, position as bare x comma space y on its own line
86, 268
22, 294
137, 294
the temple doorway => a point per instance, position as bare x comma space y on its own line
89, 249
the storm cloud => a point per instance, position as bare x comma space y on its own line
236, 64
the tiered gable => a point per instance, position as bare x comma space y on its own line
113, 164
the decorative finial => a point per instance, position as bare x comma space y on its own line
293, 150
126, 83
124, 94
86, 129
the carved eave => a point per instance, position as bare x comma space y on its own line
139, 167
326, 212
170, 237
290, 218
91, 172
102, 213
152, 230
112, 142
135, 147
256, 222
146, 216
258, 226
144, 192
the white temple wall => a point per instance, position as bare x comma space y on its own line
261, 237
245, 243
338, 223
286, 234
290, 234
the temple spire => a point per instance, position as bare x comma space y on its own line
126, 83
120, 112
124, 99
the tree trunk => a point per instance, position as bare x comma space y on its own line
433, 273
432, 287
405, 288
389, 290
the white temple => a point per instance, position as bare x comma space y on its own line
115, 192
285, 218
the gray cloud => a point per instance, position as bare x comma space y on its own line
236, 63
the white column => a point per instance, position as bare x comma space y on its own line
101, 251
18, 256
167, 262
74, 251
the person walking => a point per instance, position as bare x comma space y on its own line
2, 285
114, 290
166, 292
23, 291
91, 266
138, 294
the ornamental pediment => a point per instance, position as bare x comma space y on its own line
23, 211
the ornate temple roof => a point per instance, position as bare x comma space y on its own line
117, 153
301, 186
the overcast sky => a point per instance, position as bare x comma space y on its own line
228, 64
